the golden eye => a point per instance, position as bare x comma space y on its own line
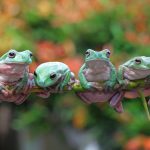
52, 76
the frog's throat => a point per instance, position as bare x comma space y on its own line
134, 74
141, 69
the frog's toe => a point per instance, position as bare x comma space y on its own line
149, 102
96, 86
5, 93
119, 108
44, 94
108, 89
116, 99
88, 86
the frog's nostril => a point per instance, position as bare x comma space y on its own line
11, 55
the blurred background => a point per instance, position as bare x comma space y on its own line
62, 30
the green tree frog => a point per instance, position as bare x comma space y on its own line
53, 77
134, 69
15, 80
97, 71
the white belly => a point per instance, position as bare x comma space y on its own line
12, 72
97, 72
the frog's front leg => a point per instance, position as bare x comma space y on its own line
65, 80
109, 85
84, 83
30, 83
72, 81
120, 76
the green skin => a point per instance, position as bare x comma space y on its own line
106, 79
52, 74
14, 69
133, 70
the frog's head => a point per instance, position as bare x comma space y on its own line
139, 63
15, 57
91, 55
47, 75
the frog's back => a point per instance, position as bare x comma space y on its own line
59, 66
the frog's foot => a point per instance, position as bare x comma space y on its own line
88, 86
96, 86
124, 83
5, 92
119, 108
109, 86
44, 94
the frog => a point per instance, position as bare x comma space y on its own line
53, 77
134, 69
15, 79
98, 77
97, 71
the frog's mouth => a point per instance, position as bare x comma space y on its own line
135, 74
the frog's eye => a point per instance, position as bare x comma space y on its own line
31, 54
108, 53
87, 53
138, 61
35, 74
52, 76
11, 54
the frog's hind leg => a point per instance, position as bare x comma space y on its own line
21, 98
83, 97
115, 101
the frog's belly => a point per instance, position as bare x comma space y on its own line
12, 72
134, 74
98, 75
